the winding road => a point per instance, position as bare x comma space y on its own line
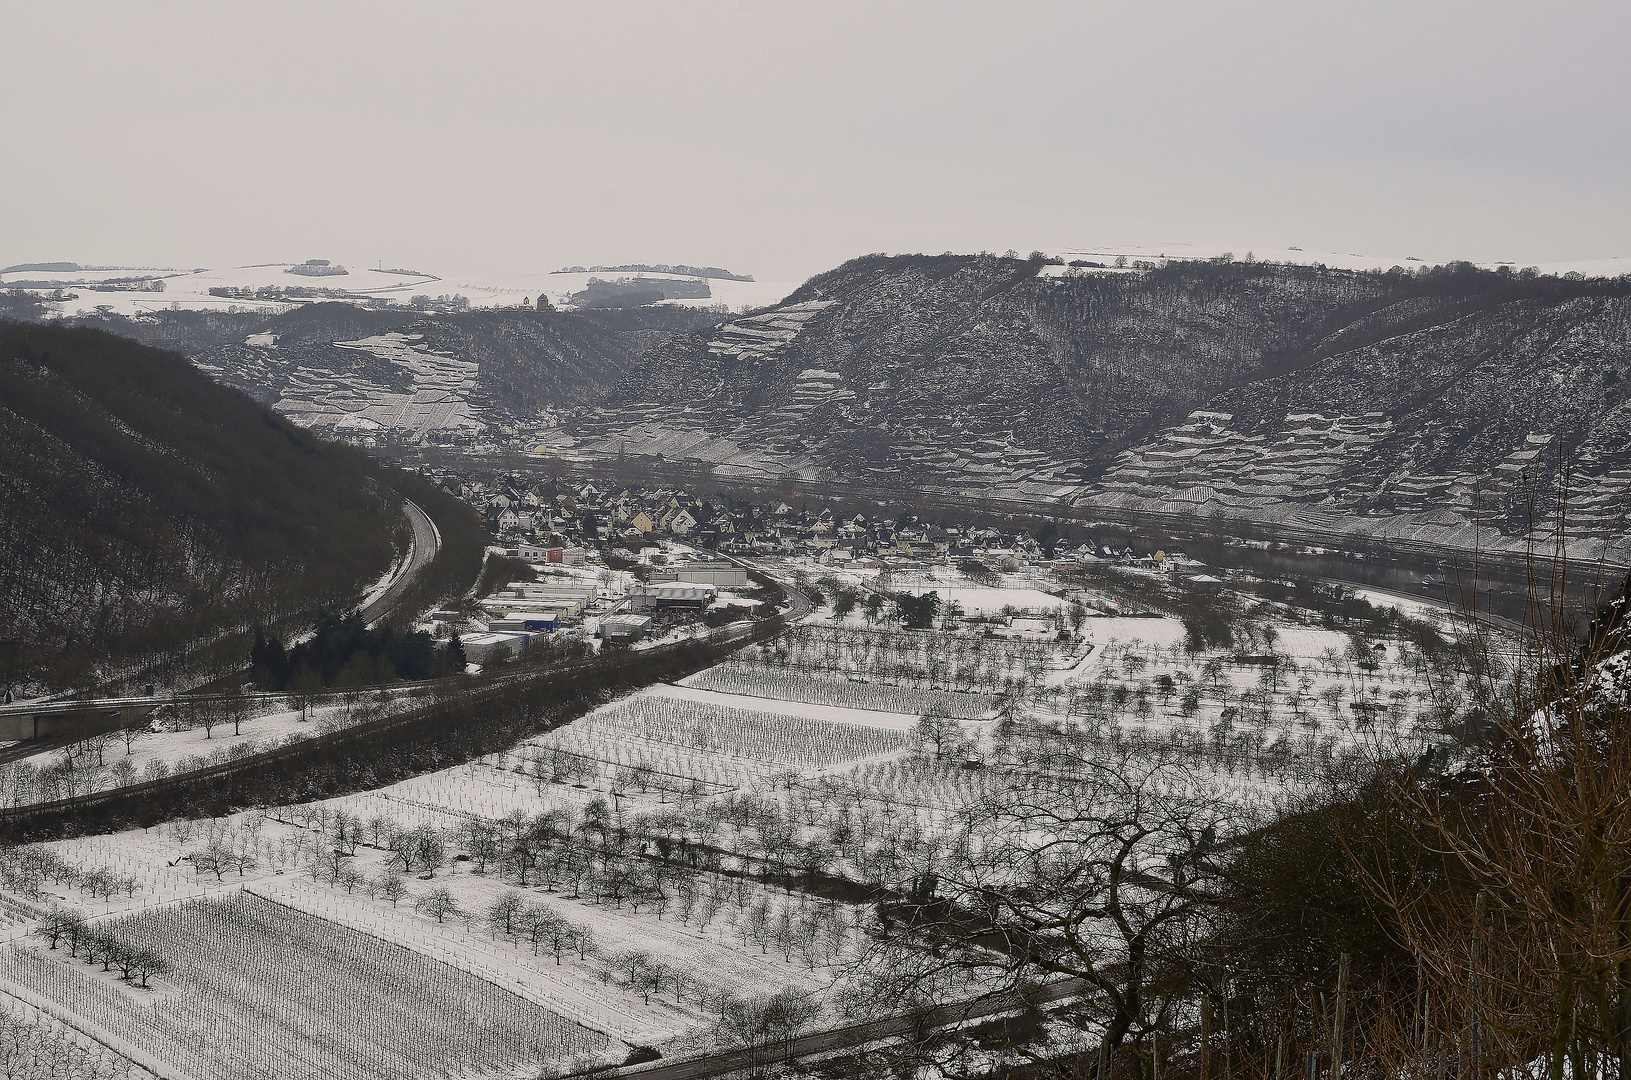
851, 1036
427, 541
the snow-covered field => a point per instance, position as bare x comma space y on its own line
283, 993
667, 850
190, 289
161, 749
980, 601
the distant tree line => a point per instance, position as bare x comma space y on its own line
660, 268
636, 291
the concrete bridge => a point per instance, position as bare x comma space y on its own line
70, 720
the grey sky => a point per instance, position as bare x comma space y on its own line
782, 138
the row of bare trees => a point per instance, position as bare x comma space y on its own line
136, 964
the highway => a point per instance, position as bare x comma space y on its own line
1458, 615
427, 541
731, 635
849, 1037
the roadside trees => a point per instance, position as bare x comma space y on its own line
305, 688
766, 1026
133, 724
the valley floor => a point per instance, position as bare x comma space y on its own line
618, 882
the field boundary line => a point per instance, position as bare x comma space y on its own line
66, 1016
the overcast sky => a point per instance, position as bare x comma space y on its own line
780, 139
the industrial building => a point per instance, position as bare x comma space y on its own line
672, 596
527, 622
724, 575
483, 648
533, 554
535, 600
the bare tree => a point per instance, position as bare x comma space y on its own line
146, 964
439, 903
215, 858
392, 887
234, 706
503, 913
133, 724
429, 849
941, 733
305, 690
1083, 867
1525, 945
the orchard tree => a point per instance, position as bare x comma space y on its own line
503, 913
429, 850
392, 887
939, 732
439, 904
146, 964
216, 858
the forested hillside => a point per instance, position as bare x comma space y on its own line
401, 374
1396, 394
144, 507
